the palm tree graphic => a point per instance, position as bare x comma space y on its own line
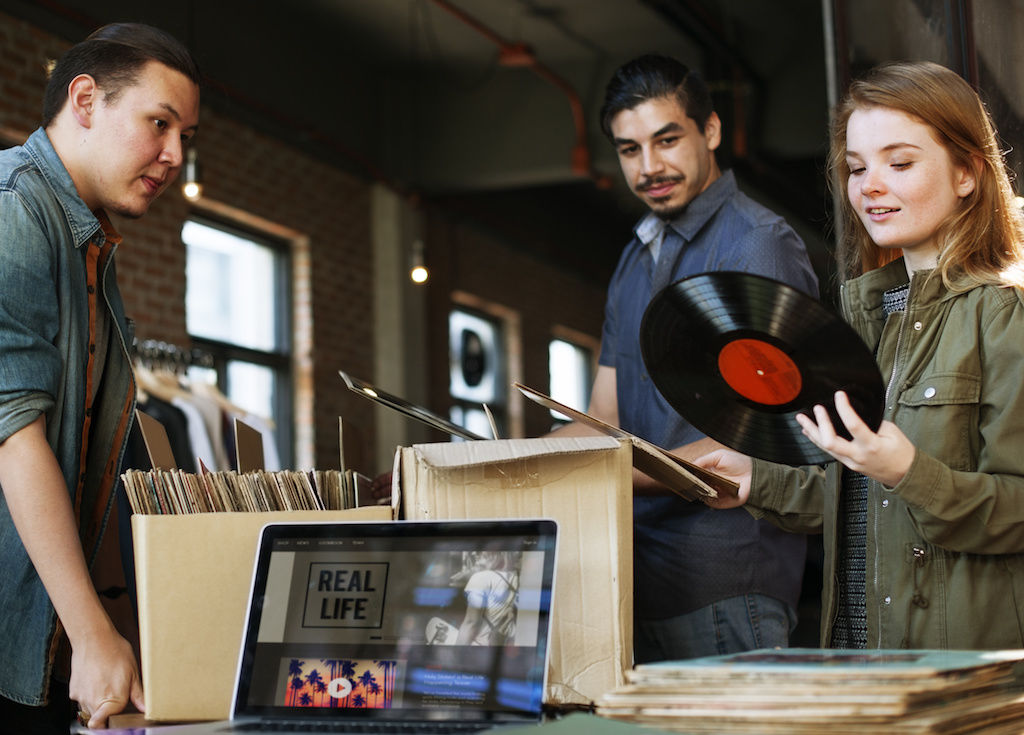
314, 680
348, 670
295, 672
366, 679
374, 688
388, 667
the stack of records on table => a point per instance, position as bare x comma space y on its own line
801, 690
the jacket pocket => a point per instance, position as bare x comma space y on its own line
939, 413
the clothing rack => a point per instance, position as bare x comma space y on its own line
161, 372
157, 353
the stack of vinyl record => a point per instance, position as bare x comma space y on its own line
835, 691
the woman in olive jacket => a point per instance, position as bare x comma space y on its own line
923, 520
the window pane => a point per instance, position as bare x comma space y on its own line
473, 419
251, 387
477, 360
203, 374
237, 306
569, 373
231, 288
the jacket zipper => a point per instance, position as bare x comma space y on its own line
896, 356
888, 394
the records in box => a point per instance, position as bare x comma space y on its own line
166, 490
835, 691
161, 492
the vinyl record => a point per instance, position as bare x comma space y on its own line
739, 356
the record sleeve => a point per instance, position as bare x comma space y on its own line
413, 411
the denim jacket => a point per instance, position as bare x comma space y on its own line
945, 549
56, 267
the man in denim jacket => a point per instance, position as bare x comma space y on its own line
118, 111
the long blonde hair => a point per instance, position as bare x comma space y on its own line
981, 242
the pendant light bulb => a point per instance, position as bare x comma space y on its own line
418, 272
192, 185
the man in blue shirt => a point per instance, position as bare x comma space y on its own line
705, 583
117, 113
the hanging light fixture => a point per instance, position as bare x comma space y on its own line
192, 185
418, 272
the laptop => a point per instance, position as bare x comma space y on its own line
407, 626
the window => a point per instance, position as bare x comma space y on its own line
477, 372
237, 309
570, 374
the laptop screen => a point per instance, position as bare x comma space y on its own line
400, 620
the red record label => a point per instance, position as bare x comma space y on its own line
760, 372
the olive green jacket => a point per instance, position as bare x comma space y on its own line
945, 547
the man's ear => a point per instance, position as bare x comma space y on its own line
713, 131
83, 96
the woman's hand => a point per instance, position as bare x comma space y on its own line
885, 455
733, 466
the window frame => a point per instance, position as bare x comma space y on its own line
278, 360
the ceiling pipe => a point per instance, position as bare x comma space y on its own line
520, 55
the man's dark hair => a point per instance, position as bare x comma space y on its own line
653, 77
113, 55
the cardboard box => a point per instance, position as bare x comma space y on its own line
193, 574
585, 484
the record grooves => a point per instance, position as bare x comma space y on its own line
739, 356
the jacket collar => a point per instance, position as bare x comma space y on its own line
80, 219
865, 292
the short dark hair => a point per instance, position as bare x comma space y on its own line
653, 77
113, 55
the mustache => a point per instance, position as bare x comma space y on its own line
650, 183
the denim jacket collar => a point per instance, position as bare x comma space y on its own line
82, 221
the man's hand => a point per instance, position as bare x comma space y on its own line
380, 488
733, 466
104, 677
646, 485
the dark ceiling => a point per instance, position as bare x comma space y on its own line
488, 107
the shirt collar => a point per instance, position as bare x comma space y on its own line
694, 217
110, 234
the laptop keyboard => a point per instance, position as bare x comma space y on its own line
402, 728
